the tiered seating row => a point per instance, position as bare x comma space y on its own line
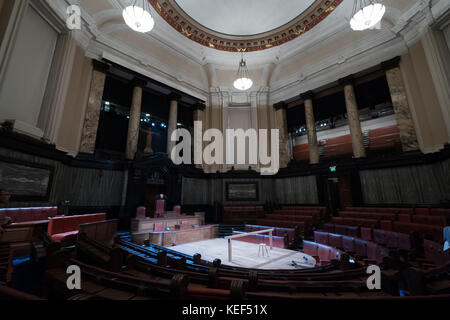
338, 146
382, 138
389, 239
242, 213
301, 152
417, 211
321, 209
367, 251
321, 252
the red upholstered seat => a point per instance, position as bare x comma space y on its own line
324, 253
360, 248
391, 239
348, 244
321, 237
372, 249
64, 236
404, 217
23, 215
60, 228
386, 225
177, 209
422, 211
335, 240
366, 233
340, 229
329, 227
432, 220
440, 212
381, 253
158, 227
140, 213
353, 232
404, 241
379, 236
310, 248
160, 206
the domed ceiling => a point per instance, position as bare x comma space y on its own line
238, 25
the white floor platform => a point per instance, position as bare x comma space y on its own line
246, 255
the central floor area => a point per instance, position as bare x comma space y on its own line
245, 255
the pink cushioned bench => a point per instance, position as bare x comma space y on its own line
62, 228
23, 215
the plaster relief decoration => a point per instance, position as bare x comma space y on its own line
250, 25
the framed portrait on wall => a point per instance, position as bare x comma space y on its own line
242, 191
25, 181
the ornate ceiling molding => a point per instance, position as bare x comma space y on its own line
184, 24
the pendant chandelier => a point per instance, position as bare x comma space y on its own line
243, 81
137, 16
366, 14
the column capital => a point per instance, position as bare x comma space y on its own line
173, 96
391, 64
349, 80
139, 82
309, 95
280, 105
199, 106
100, 66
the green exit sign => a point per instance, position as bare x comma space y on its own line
333, 169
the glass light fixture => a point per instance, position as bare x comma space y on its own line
137, 16
366, 14
243, 81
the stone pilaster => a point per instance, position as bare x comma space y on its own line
135, 119
90, 126
403, 116
353, 117
57, 87
311, 127
173, 118
281, 124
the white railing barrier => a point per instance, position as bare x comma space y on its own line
229, 238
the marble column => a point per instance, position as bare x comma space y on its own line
353, 117
148, 142
281, 124
173, 119
400, 103
311, 127
135, 119
198, 136
90, 126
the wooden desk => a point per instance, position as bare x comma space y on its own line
176, 237
141, 225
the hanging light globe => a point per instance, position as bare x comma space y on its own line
137, 16
367, 14
243, 81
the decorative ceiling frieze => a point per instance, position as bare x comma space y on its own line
187, 26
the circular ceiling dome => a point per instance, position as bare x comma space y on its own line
243, 25
243, 17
